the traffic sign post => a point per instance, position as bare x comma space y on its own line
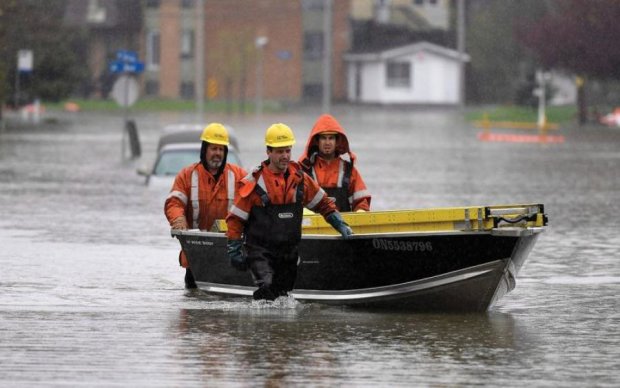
126, 67
24, 65
125, 92
126, 62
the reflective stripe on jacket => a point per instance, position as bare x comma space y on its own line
281, 189
343, 182
200, 198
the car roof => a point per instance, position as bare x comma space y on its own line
181, 146
189, 133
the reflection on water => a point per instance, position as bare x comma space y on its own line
91, 294
312, 344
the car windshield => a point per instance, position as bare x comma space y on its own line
172, 161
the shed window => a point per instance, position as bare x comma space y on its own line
398, 74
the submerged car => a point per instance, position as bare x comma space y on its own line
179, 146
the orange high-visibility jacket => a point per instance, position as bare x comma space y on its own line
196, 195
279, 190
329, 174
200, 198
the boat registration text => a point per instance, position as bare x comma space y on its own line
399, 245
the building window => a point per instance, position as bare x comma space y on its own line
313, 45
187, 90
418, 2
96, 12
313, 91
151, 88
316, 5
398, 74
152, 50
187, 44
152, 3
187, 3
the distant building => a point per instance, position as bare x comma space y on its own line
418, 73
374, 57
110, 25
169, 48
413, 14
564, 88
290, 52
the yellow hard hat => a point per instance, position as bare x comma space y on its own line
215, 133
279, 135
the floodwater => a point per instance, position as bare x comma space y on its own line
91, 293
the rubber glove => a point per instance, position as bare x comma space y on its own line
236, 256
179, 223
336, 221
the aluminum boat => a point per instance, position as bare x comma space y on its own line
443, 259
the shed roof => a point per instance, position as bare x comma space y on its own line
413, 48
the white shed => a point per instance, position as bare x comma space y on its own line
419, 73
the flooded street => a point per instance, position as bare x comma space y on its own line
91, 293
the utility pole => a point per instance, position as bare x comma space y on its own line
261, 42
327, 55
200, 60
461, 50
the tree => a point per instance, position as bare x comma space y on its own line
37, 26
6, 9
499, 64
233, 55
580, 36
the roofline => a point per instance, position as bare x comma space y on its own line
384, 55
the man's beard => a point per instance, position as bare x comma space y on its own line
214, 164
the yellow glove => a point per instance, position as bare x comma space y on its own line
179, 223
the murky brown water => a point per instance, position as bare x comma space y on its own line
90, 292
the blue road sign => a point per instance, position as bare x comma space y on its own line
126, 62
126, 56
124, 67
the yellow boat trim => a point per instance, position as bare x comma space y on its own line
470, 218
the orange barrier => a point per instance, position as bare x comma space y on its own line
541, 137
519, 138
72, 107
514, 125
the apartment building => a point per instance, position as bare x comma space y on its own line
273, 44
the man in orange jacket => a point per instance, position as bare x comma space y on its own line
328, 159
269, 212
204, 191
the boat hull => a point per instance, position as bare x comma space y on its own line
453, 271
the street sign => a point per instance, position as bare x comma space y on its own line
125, 90
126, 56
126, 62
126, 67
24, 61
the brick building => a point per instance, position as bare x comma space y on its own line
277, 41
